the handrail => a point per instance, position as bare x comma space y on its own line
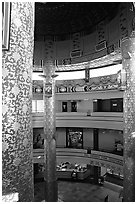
94, 114
95, 120
97, 158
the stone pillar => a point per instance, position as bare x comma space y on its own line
95, 139
97, 169
17, 135
128, 64
49, 126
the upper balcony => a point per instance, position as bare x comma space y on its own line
106, 120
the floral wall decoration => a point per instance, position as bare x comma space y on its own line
17, 137
108, 82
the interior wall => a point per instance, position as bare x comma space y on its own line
61, 137
84, 106
58, 106
107, 139
88, 138
90, 95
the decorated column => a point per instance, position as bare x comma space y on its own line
17, 135
49, 125
97, 169
128, 64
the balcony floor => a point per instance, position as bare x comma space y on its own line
73, 191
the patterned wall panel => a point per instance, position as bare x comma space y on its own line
123, 26
128, 53
101, 32
76, 41
17, 138
108, 82
95, 84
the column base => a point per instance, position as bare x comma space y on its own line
96, 174
51, 191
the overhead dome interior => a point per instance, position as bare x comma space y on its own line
59, 18
81, 33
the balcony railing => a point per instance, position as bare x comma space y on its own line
81, 156
107, 120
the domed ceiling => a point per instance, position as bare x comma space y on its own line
62, 18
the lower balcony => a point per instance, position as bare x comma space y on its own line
83, 157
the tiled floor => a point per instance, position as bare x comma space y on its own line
70, 191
